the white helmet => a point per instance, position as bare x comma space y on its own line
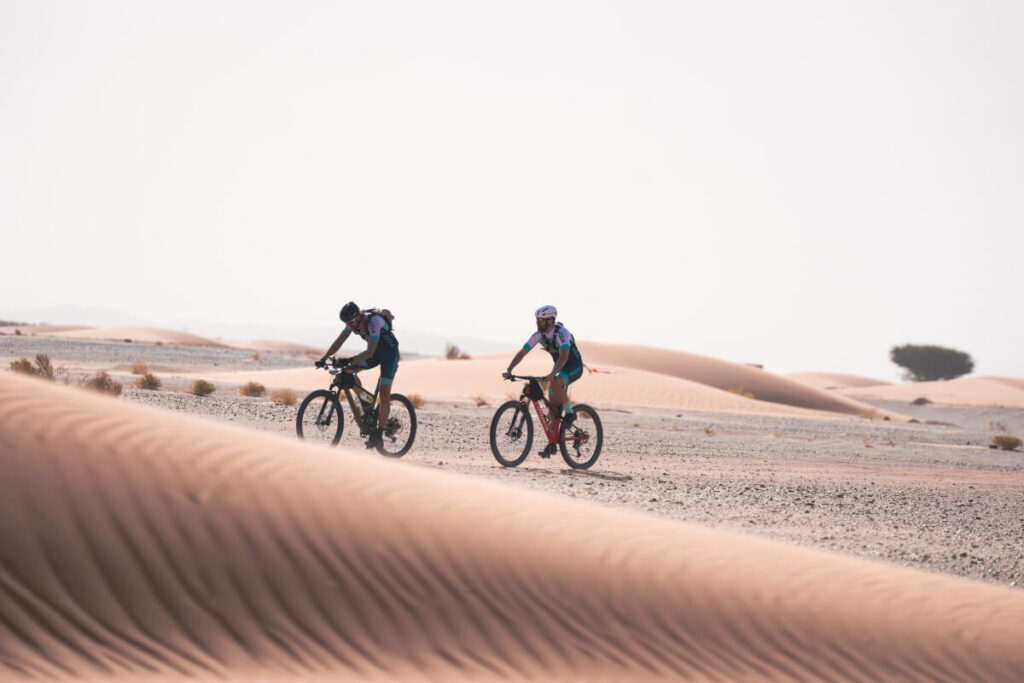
546, 312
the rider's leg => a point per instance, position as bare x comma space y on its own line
385, 405
558, 393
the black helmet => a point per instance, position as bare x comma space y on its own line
349, 311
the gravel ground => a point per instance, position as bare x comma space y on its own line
924, 495
929, 494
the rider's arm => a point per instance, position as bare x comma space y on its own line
563, 358
337, 344
371, 347
515, 360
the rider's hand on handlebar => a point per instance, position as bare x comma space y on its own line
507, 374
320, 364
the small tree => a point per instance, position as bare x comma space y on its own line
930, 363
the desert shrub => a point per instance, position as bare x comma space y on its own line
920, 401
453, 352
710, 431
103, 383
139, 369
741, 392
480, 400
24, 366
148, 381
930, 363
285, 397
1006, 442
42, 368
202, 388
252, 389
416, 400
255, 356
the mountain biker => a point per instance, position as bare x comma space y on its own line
559, 342
381, 349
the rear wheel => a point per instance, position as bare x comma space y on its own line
320, 419
581, 441
511, 433
400, 429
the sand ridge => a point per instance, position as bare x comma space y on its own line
141, 543
976, 391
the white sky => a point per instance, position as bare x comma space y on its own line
800, 184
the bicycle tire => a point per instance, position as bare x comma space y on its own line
311, 414
398, 425
582, 453
511, 436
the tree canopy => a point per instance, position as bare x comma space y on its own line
930, 363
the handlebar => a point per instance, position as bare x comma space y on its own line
519, 378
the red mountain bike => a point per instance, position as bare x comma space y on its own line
512, 430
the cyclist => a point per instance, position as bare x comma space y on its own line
381, 349
559, 342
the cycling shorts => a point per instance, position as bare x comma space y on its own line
387, 359
571, 372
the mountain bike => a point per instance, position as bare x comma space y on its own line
320, 418
512, 429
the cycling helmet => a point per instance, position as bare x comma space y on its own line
546, 312
349, 311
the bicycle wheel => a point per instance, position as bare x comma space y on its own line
581, 442
511, 433
400, 429
320, 419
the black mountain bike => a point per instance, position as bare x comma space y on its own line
320, 418
512, 430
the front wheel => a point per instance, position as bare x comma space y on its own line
400, 429
511, 433
320, 419
581, 441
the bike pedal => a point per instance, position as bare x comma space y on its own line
548, 451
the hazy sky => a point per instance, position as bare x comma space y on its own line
798, 184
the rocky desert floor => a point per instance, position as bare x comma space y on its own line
928, 494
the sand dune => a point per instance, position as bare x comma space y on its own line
463, 380
968, 391
138, 543
153, 335
722, 374
834, 380
41, 329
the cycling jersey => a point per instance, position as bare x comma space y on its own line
553, 341
378, 329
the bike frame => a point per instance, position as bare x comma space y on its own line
354, 405
551, 426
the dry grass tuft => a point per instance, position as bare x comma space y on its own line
255, 356
103, 383
285, 397
710, 431
139, 369
741, 392
202, 388
252, 389
453, 352
42, 368
1006, 442
480, 400
416, 400
148, 381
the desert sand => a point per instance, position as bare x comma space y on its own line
974, 391
834, 380
137, 543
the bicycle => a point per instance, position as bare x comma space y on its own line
321, 420
512, 429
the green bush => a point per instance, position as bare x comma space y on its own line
148, 381
1006, 442
202, 388
103, 383
930, 363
